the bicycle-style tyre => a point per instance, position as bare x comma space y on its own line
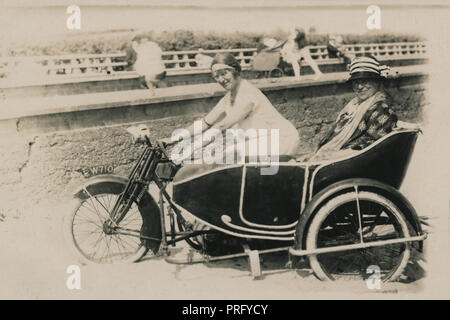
85, 232
275, 74
337, 223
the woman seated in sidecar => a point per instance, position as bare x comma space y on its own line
366, 118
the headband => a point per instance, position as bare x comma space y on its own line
220, 66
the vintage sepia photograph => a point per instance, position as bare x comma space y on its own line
224, 150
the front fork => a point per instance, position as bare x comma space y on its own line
164, 247
120, 210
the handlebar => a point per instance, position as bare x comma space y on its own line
161, 144
140, 135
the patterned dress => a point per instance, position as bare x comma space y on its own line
378, 121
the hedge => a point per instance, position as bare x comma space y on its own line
187, 40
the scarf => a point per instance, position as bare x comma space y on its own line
355, 112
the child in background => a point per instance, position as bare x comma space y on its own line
295, 49
149, 62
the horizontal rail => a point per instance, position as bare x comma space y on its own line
66, 57
87, 65
209, 51
356, 246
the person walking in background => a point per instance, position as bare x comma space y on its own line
149, 62
295, 50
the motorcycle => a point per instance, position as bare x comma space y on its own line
342, 216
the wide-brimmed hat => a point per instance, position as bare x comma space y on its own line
270, 42
367, 67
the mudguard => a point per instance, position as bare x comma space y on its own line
109, 181
343, 186
149, 210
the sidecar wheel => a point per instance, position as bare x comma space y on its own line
84, 230
337, 223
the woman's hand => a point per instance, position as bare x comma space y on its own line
229, 120
167, 142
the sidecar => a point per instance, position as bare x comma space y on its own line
347, 210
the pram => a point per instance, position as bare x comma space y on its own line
267, 61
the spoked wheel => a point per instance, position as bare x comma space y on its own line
352, 218
259, 74
275, 73
96, 237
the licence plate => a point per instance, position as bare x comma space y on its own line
88, 172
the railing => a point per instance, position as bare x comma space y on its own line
394, 50
179, 62
186, 61
17, 67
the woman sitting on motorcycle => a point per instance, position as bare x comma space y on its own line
245, 107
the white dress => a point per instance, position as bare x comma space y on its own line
252, 110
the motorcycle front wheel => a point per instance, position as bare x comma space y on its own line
95, 237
